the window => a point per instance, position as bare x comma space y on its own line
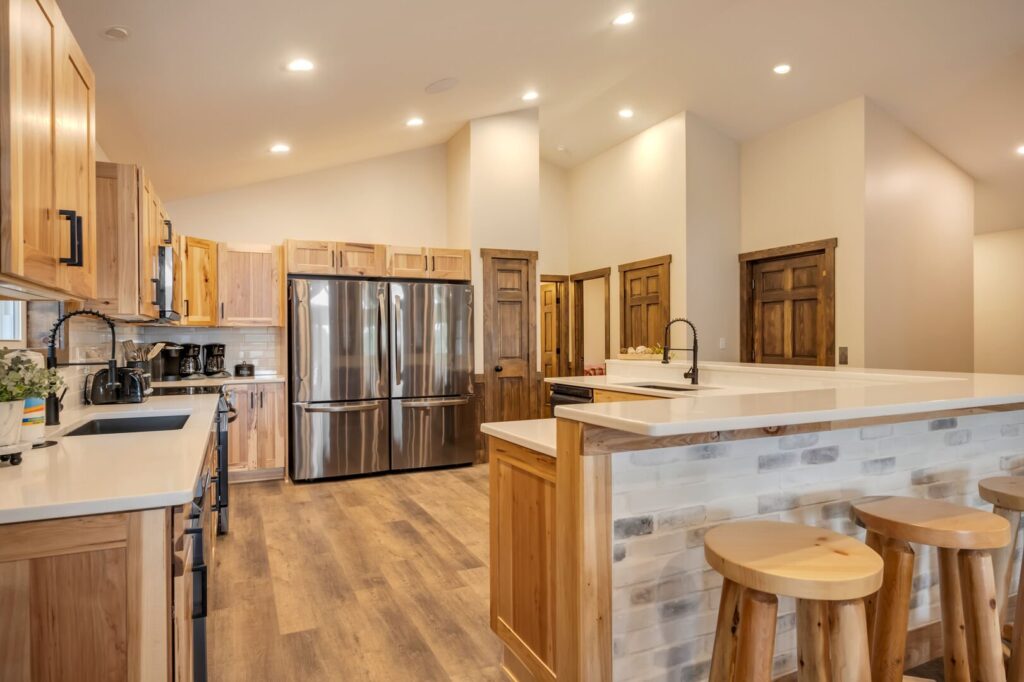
12, 327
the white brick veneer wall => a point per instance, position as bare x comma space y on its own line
665, 598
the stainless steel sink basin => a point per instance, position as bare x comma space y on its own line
105, 427
667, 387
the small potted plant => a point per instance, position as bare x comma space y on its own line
21, 378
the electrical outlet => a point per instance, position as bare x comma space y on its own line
721, 343
844, 355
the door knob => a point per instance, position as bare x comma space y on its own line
498, 368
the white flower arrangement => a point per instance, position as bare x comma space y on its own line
21, 378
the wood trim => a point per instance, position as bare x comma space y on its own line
646, 263
149, 593
748, 260
562, 288
508, 253
790, 250
554, 278
254, 475
32, 539
577, 315
583, 577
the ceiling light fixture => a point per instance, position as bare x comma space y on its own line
280, 148
530, 95
624, 19
1020, 150
782, 69
625, 113
300, 64
414, 122
117, 33
442, 85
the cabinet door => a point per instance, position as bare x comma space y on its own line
241, 429
311, 258
249, 283
200, 282
364, 260
450, 264
149, 240
31, 246
271, 425
75, 144
406, 261
178, 291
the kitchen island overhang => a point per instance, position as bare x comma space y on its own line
638, 484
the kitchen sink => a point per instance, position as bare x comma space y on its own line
105, 427
667, 387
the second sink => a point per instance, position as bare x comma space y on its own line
111, 425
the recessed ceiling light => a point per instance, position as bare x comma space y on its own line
414, 122
1020, 150
562, 149
280, 148
300, 64
624, 19
782, 69
117, 33
530, 95
442, 85
625, 113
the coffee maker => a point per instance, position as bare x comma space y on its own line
191, 361
167, 365
213, 360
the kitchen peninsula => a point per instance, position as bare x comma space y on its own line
105, 541
612, 547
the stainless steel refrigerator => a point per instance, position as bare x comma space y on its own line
381, 375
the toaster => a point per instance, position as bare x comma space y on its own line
128, 387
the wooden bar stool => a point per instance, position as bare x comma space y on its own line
828, 573
970, 620
1006, 493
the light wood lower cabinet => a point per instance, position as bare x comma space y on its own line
250, 284
601, 396
256, 439
523, 558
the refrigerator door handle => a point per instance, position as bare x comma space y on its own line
437, 402
347, 407
382, 347
398, 343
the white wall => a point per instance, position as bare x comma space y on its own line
999, 302
805, 182
399, 199
554, 220
919, 241
458, 189
713, 238
628, 204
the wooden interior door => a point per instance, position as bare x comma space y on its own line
789, 310
75, 137
549, 348
510, 341
644, 302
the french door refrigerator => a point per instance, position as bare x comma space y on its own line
380, 376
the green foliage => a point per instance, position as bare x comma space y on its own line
21, 378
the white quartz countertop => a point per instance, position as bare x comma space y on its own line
628, 384
757, 396
223, 381
84, 475
532, 434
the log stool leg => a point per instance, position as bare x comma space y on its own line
889, 637
723, 658
1016, 668
984, 647
1002, 563
848, 633
954, 629
755, 647
874, 541
812, 641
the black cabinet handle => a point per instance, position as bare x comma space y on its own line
261, 400
186, 307
199, 595
170, 232
498, 368
74, 226
79, 244
156, 291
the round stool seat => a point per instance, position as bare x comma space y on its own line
1003, 491
933, 522
792, 560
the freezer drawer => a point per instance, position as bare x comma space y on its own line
431, 432
338, 439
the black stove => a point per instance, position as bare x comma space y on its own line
185, 390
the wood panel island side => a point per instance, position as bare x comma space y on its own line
598, 516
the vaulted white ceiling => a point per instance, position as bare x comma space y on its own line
198, 92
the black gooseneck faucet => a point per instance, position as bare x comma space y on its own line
52, 401
693, 373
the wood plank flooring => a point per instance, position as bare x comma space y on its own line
381, 578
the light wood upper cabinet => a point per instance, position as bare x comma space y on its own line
363, 260
47, 151
450, 264
408, 261
311, 257
200, 283
250, 284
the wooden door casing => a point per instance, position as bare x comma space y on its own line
577, 315
788, 305
510, 347
644, 303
